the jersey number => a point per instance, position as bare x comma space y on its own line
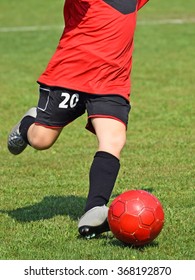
69, 100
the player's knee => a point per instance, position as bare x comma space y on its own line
118, 142
113, 145
41, 142
42, 138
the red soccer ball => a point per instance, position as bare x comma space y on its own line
136, 217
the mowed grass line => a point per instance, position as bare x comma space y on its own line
43, 193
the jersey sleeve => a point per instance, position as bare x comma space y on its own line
141, 3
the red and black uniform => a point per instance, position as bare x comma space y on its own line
90, 71
94, 54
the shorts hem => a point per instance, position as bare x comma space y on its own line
49, 126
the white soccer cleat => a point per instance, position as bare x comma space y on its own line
15, 142
94, 222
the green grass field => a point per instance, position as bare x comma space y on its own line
43, 193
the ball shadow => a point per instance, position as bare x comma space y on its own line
117, 243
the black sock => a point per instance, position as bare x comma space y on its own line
102, 177
24, 126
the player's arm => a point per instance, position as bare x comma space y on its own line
141, 3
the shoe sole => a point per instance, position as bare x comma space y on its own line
90, 232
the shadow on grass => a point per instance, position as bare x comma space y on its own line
48, 208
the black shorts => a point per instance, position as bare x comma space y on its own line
57, 107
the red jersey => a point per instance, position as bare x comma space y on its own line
94, 54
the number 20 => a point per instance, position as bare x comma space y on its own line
69, 100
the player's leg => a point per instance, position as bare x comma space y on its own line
111, 134
41, 126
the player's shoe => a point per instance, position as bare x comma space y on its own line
15, 142
94, 222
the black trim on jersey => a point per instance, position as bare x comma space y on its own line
123, 6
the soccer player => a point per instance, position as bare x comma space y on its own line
89, 72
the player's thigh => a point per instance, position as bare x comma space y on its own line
107, 106
111, 134
57, 107
108, 119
